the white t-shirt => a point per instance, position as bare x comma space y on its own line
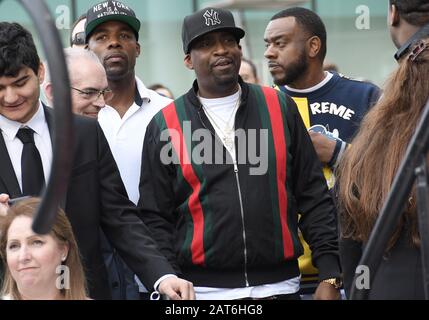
221, 113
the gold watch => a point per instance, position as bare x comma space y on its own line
336, 282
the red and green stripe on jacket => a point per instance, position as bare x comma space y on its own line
267, 109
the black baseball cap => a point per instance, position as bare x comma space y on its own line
205, 21
110, 11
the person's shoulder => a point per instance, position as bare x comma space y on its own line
157, 102
167, 112
77, 120
356, 82
86, 129
83, 121
287, 104
155, 97
264, 88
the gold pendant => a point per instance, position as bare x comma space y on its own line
228, 131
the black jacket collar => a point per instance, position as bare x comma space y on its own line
193, 93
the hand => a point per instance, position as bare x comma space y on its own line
4, 198
324, 146
326, 291
177, 289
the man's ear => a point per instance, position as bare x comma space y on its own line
138, 49
313, 45
41, 73
393, 16
47, 89
188, 62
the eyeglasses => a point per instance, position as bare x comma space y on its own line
78, 39
94, 95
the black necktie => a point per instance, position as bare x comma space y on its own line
33, 179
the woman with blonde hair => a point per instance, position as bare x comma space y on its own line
365, 178
45, 267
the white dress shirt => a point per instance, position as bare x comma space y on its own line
42, 140
125, 135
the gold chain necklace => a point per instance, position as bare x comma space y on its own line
228, 130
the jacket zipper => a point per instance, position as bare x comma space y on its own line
241, 204
242, 221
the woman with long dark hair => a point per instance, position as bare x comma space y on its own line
365, 177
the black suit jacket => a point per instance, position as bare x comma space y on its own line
96, 197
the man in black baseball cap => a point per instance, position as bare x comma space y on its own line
112, 33
205, 21
218, 69
229, 228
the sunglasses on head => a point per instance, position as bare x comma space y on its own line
78, 39
421, 33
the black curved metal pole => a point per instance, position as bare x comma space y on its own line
422, 201
394, 205
63, 129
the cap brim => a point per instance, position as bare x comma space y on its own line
134, 23
237, 32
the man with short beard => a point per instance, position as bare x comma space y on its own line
230, 230
330, 104
112, 33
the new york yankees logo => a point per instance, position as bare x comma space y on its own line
212, 18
